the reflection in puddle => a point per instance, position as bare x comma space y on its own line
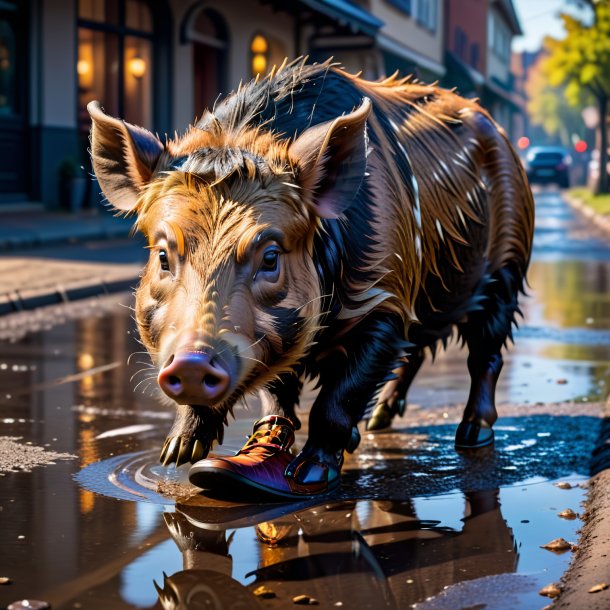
358, 553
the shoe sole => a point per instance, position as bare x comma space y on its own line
229, 483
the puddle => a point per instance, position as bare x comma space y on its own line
357, 553
413, 519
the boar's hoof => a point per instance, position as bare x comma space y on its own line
473, 435
183, 450
383, 414
315, 471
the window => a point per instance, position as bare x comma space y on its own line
8, 56
474, 55
115, 57
499, 37
460, 43
426, 14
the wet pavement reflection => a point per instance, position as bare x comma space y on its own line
106, 526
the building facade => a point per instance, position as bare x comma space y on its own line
160, 63
478, 57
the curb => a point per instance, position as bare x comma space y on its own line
25, 234
590, 565
600, 220
29, 300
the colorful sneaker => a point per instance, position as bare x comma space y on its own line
259, 467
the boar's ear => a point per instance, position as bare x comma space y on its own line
332, 160
123, 155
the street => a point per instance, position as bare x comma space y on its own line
100, 523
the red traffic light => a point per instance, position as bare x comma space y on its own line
523, 142
580, 146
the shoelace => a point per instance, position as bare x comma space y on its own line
264, 439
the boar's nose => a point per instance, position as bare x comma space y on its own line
194, 378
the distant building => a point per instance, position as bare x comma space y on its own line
466, 46
478, 36
499, 95
159, 63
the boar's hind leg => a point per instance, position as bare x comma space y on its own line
485, 333
348, 382
192, 435
393, 397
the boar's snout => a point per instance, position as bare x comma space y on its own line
195, 378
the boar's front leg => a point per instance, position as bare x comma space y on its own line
349, 379
281, 397
192, 435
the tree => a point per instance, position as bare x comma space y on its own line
547, 107
581, 63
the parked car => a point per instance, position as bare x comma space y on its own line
547, 164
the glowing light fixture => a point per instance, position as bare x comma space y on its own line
137, 67
259, 47
259, 44
83, 67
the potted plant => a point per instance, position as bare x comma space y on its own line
72, 184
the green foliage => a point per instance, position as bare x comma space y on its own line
70, 168
548, 108
599, 203
581, 61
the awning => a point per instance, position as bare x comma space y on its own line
357, 18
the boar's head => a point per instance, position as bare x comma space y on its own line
230, 297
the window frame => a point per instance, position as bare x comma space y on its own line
122, 32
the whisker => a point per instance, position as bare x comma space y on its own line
322, 296
149, 379
256, 360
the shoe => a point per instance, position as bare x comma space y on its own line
259, 467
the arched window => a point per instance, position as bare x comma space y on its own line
208, 34
115, 59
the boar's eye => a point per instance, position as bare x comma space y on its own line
270, 264
164, 260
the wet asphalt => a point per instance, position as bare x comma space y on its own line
98, 523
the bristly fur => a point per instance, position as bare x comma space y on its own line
441, 176
428, 226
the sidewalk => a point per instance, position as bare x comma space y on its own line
49, 258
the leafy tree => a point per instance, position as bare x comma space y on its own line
581, 63
547, 107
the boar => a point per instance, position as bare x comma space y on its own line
315, 224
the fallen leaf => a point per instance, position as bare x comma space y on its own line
264, 592
562, 381
600, 587
559, 545
305, 600
564, 485
551, 590
568, 513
